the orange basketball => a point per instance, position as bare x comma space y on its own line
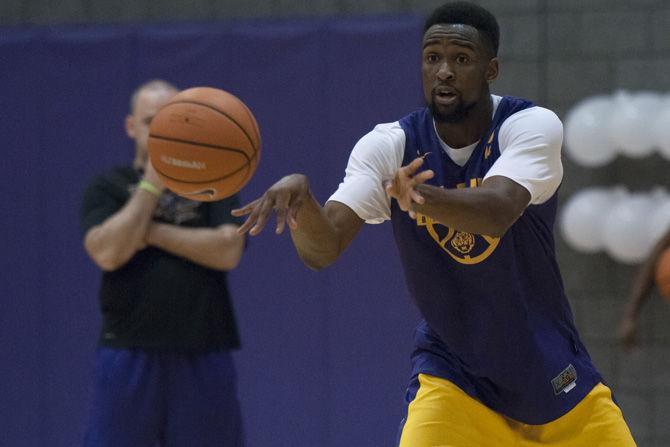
663, 274
204, 144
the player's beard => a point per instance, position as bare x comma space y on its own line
455, 116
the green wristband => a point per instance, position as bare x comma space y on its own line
149, 187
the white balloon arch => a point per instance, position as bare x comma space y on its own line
586, 141
625, 225
635, 124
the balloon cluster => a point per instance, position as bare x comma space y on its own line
625, 225
636, 124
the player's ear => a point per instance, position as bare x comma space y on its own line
492, 70
130, 126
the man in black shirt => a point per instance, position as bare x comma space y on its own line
164, 373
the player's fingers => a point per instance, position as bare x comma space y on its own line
416, 197
246, 226
390, 188
422, 176
281, 210
404, 203
411, 168
250, 222
264, 211
246, 209
293, 213
281, 219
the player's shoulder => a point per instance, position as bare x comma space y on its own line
382, 136
529, 110
534, 117
381, 147
541, 112
392, 129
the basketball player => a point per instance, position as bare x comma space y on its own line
164, 373
469, 184
640, 293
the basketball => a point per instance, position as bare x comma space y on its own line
204, 144
663, 274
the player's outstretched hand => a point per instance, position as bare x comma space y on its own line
401, 187
284, 198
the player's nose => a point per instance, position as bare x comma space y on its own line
444, 72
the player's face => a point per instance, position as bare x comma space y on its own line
456, 69
137, 124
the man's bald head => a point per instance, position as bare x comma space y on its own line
145, 102
155, 86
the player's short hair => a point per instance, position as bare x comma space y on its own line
464, 13
154, 84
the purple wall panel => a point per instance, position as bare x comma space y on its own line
325, 355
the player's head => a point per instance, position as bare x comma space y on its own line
144, 104
460, 48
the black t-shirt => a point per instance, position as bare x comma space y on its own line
158, 300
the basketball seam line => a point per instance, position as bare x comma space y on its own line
222, 113
196, 143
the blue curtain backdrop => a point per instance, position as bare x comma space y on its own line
325, 356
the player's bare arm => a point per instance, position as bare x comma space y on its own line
490, 209
320, 234
112, 243
216, 248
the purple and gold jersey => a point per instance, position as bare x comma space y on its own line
496, 319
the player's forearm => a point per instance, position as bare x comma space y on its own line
471, 210
216, 248
114, 242
316, 238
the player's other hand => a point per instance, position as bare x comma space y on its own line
628, 333
284, 198
151, 176
401, 187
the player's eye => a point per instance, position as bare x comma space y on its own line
462, 59
431, 58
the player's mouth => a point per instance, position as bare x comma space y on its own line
445, 96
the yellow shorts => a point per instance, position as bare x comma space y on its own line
442, 415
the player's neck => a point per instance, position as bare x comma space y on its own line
471, 128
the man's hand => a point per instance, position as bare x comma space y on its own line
402, 186
151, 176
284, 198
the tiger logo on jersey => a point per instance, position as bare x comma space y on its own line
463, 242
465, 248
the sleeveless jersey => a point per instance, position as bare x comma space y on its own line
496, 321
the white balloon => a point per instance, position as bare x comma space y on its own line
583, 216
630, 122
625, 229
586, 132
660, 129
659, 221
